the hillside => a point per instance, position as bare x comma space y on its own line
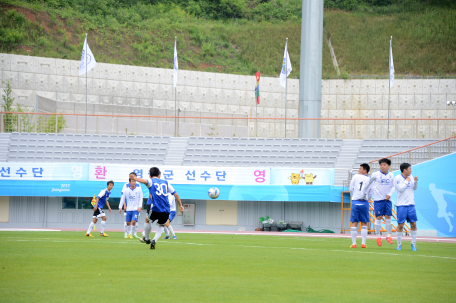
424, 38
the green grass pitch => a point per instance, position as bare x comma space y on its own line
69, 267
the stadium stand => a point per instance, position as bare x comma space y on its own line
33, 147
372, 149
195, 151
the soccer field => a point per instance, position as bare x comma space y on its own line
69, 267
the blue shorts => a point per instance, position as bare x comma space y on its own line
171, 216
359, 211
132, 215
383, 208
406, 212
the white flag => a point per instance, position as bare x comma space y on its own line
391, 65
83, 67
176, 65
286, 67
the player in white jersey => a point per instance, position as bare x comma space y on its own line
172, 215
405, 185
383, 190
132, 198
124, 207
360, 205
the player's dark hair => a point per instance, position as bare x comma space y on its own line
366, 167
133, 173
384, 160
154, 172
110, 182
404, 166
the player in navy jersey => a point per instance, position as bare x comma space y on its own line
159, 191
98, 212
383, 190
360, 205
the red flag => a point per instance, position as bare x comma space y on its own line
257, 87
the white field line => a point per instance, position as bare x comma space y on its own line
246, 246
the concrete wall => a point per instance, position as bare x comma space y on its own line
141, 88
29, 212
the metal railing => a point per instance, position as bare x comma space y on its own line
419, 154
227, 126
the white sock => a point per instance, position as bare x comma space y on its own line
103, 223
158, 233
171, 230
353, 233
125, 228
90, 227
166, 231
135, 228
378, 227
399, 237
363, 234
129, 228
389, 226
414, 232
147, 229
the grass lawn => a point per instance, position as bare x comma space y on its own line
69, 267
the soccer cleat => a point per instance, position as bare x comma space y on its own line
413, 247
126, 236
353, 246
130, 237
135, 236
143, 240
89, 235
399, 247
165, 238
174, 238
104, 235
379, 242
363, 246
152, 244
390, 240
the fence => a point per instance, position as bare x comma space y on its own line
226, 126
419, 154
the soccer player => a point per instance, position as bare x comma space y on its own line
147, 225
98, 212
172, 215
383, 190
132, 197
124, 206
405, 185
159, 190
360, 205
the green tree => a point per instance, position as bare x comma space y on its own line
7, 106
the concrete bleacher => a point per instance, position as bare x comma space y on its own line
261, 151
199, 151
372, 149
33, 147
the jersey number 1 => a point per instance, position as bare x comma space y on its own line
360, 186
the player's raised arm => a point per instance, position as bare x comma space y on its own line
401, 185
140, 180
415, 185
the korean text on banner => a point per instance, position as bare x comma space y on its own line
184, 175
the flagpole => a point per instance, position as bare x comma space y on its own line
86, 85
286, 76
175, 93
389, 90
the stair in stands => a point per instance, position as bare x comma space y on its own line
176, 151
5, 139
346, 159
